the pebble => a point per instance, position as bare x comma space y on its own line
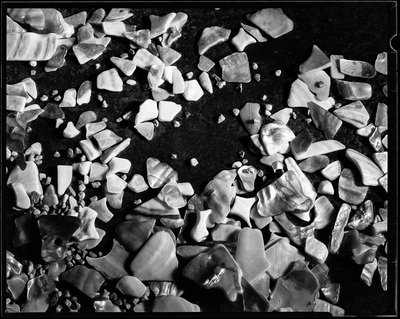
220, 119
167, 110
194, 162
110, 80
236, 111
192, 90
254, 65
177, 124
325, 188
278, 72
131, 82
205, 82
148, 111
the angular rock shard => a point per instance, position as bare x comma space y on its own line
212, 36
320, 148
235, 68
350, 188
324, 120
317, 61
272, 21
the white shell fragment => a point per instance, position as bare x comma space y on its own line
125, 65
137, 184
84, 93
110, 80
143, 59
64, 178
320, 148
242, 40
354, 90
147, 111
370, 172
69, 99
167, 110
356, 68
146, 129
272, 21
335, 70
381, 63
332, 171
205, 82
70, 131
193, 90
325, 188
318, 82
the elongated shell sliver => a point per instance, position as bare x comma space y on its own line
29, 46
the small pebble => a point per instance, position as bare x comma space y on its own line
221, 118
97, 66
174, 156
294, 115
56, 154
81, 186
104, 119
177, 124
70, 153
221, 84
92, 254
86, 179
54, 92
118, 120
320, 84
254, 66
131, 82
78, 151
83, 158
124, 55
245, 161
260, 173
236, 112
100, 98
268, 113
237, 164
239, 87
337, 105
124, 177
100, 253
104, 105
257, 77
33, 72
308, 120
242, 154
44, 98
156, 123
57, 98
216, 77
96, 184
194, 162
132, 52
48, 180
137, 201
187, 114
189, 75
264, 97
33, 64
278, 72
59, 308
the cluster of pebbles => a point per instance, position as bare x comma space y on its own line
178, 240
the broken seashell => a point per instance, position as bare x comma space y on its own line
69, 99
106, 138
114, 184
337, 234
326, 188
98, 172
70, 130
64, 178
272, 21
112, 265
301, 142
320, 148
167, 110
117, 28
205, 82
154, 76
52, 111
139, 37
172, 195
212, 36
318, 82
137, 184
354, 113
370, 172
317, 61
76, 20
118, 14
354, 90
363, 217
58, 58
316, 249
16, 286
247, 175
86, 230
160, 94
274, 135
171, 303
375, 140
131, 286
242, 40
143, 59
156, 207
13, 266
235, 68
356, 68
25, 232
225, 232
125, 65
50, 197
314, 163
254, 32
158, 173
324, 212
381, 119
199, 231
84, 279
22, 199
297, 290
324, 306
13, 26
331, 292
368, 272
332, 171
205, 64
242, 208
30, 46
301, 96
324, 120
381, 159
119, 165
100, 207
39, 286
382, 269
251, 118
283, 115
15, 103
85, 52
167, 55
157, 259
381, 63
385, 141
134, 234
110, 80
193, 90
335, 69
178, 84
159, 25
110, 153
350, 188
147, 111
220, 270
84, 93
101, 304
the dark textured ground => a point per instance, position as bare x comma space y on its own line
358, 31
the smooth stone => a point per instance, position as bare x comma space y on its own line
218, 196
143, 59
381, 63
332, 170
381, 159
52, 111
110, 80
382, 270
356, 68
205, 64
158, 173
131, 286
69, 99
137, 184
274, 135
354, 113
87, 229
381, 119
139, 37
254, 32
106, 138
337, 234
159, 94
363, 217
210, 37
147, 111
272, 21
100, 207
314, 163
283, 115
167, 55
29, 178
101, 304
324, 212
125, 65
317, 61
205, 82
335, 68
133, 235
16, 285
251, 118
22, 200
157, 259
301, 96
350, 188
369, 171
301, 142
325, 187
113, 151
157, 208
216, 268
321, 148
199, 231
242, 40
193, 90
281, 255
112, 265
318, 82
84, 93
324, 120
159, 25
85, 52
50, 197
179, 85
368, 272
167, 110
118, 14
171, 303
225, 232
235, 68
98, 172
316, 249
354, 90
70, 130
114, 184
375, 140
290, 193
84, 279
324, 306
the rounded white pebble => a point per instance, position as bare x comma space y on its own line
326, 188
33, 64
194, 162
131, 82
278, 72
237, 164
